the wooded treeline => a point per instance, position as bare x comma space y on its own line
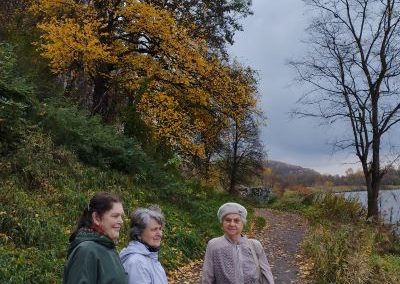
285, 176
156, 71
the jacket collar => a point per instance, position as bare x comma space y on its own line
87, 234
238, 242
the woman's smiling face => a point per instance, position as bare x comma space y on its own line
152, 234
111, 221
232, 225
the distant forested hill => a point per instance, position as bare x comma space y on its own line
286, 175
285, 169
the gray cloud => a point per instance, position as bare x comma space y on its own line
270, 38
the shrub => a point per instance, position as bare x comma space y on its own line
97, 144
12, 123
259, 223
339, 209
340, 254
16, 101
291, 201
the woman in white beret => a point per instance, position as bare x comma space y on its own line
233, 258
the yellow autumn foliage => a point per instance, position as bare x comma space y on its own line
85, 47
189, 94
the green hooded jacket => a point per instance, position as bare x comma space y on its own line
92, 258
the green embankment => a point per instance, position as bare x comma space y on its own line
55, 156
44, 187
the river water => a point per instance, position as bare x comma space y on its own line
388, 202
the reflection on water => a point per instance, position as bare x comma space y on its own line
388, 202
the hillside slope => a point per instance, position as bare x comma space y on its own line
54, 157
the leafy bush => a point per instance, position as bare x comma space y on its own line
341, 253
259, 223
12, 123
28, 226
10, 77
97, 144
339, 209
16, 100
291, 201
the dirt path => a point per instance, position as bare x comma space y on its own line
280, 237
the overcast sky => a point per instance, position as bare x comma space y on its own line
271, 37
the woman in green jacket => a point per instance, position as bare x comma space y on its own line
92, 257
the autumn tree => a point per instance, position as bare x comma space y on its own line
233, 153
353, 70
136, 54
215, 21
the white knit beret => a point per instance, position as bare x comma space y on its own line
232, 208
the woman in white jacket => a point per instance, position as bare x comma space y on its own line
140, 257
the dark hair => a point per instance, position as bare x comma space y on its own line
100, 203
140, 219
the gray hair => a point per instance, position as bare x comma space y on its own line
140, 219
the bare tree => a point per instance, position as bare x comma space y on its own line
242, 154
353, 69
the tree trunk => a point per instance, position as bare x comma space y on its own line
373, 193
232, 183
373, 190
100, 101
234, 165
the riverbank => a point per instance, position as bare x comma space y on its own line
342, 247
336, 189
